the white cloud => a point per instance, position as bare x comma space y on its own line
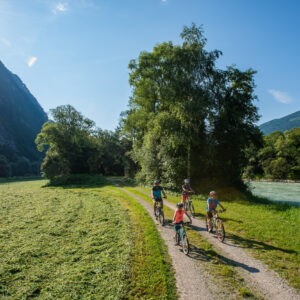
6, 42
60, 7
31, 61
281, 96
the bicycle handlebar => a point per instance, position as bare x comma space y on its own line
184, 223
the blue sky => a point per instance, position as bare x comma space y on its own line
77, 51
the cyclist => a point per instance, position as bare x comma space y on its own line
178, 218
212, 203
156, 194
186, 190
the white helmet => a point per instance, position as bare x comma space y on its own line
186, 181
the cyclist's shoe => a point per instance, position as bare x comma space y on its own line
209, 230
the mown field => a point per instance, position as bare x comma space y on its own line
81, 242
270, 231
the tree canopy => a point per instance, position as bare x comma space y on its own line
186, 117
278, 158
75, 146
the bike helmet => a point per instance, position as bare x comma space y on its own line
186, 181
156, 181
179, 204
212, 193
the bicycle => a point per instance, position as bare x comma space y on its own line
217, 223
182, 239
189, 206
159, 213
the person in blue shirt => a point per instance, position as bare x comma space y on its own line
212, 204
156, 192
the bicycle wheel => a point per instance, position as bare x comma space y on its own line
192, 209
220, 230
186, 206
161, 218
177, 237
185, 244
156, 213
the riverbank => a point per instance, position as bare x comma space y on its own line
272, 180
285, 192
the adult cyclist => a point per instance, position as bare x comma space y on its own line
156, 192
186, 190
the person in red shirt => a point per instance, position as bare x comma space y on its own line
178, 218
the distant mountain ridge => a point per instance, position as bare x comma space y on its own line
286, 123
21, 118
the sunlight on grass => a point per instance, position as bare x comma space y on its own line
77, 242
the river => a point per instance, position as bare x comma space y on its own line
277, 191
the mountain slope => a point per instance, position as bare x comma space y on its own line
282, 124
21, 118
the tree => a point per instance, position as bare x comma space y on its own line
75, 146
279, 157
232, 119
70, 143
184, 113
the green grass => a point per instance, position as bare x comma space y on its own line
149, 256
270, 231
79, 242
223, 274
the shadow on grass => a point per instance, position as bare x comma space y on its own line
231, 220
252, 244
79, 181
19, 179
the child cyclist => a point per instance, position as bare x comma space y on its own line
156, 194
178, 218
186, 190
212, 203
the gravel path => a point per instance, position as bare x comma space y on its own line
192, 281
257, 274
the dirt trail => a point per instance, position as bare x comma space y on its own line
191, 279
257, 274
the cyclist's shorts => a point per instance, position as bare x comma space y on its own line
177, 226
209, 214
184, 197
157, 199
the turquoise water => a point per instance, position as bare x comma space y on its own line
277, 191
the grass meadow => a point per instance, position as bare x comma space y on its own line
79, 242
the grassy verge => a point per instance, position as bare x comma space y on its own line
151, 275
80, 242
222, 273
270, 231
